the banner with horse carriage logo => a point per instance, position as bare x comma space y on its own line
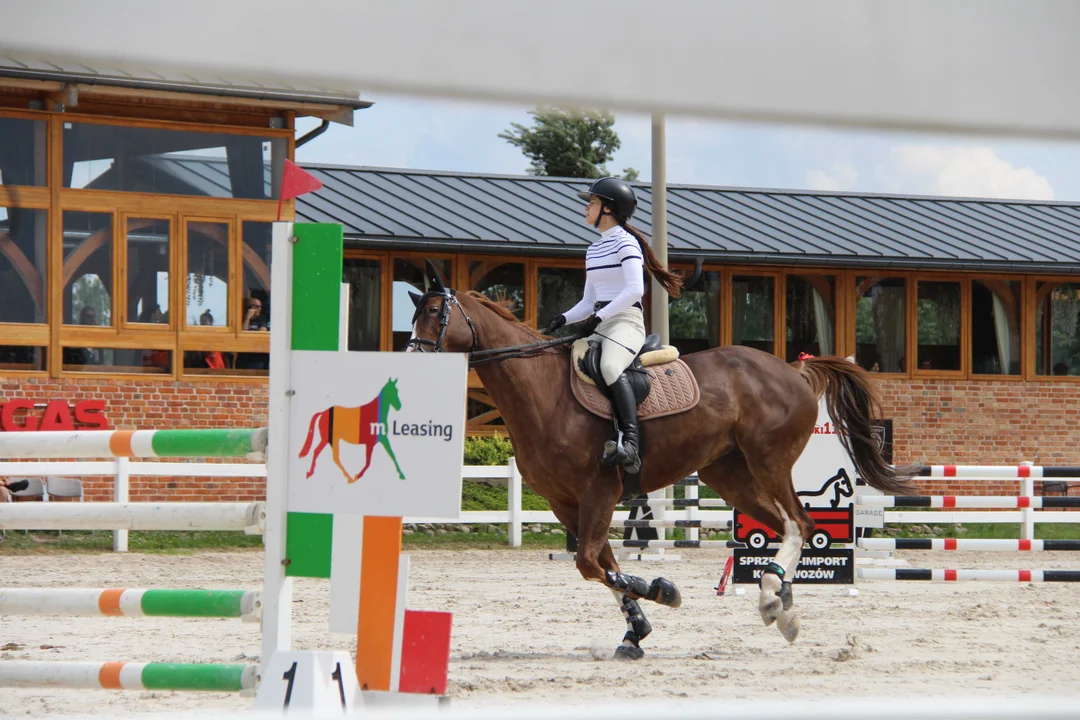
826, 480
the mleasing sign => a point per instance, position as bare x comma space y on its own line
19, 414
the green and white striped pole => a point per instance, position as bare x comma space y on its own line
196, 677
127, 602
306, 285
224, 443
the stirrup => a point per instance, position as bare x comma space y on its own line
615, 453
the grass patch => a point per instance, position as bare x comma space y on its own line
47, 542
476, 496
16, 542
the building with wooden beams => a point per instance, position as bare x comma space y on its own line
134, 269
968, 310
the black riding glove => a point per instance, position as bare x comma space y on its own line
589, 326
555, 324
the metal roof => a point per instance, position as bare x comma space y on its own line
531, 215
54, 70
520, 214
204, 175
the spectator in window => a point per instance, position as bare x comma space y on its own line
212, 358
876, 367
83, 356
158, 359
1061, 369
253, 317
254, 322
88, 316
153, 316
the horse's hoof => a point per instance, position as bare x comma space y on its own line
664, 592
770, 610
628, 652
788, 625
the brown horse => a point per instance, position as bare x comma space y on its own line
755, 416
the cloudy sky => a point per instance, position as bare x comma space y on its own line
408, 132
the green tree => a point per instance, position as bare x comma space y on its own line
568, 143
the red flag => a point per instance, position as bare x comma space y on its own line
296, 181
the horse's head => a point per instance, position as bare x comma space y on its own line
436, 326
390, 393
843, 485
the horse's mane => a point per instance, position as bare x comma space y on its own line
499, 307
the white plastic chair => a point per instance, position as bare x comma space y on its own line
63, 487
35, 489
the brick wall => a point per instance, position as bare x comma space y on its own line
960, 422
154, 405
975, 422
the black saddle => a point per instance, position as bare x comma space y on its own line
636, 373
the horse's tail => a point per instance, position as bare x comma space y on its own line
853, 402
311, 433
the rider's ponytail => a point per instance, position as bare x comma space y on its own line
671, 282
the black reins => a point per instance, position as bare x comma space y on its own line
486, 356
516, 351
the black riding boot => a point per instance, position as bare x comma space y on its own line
625, 405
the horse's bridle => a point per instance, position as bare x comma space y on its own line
449, 300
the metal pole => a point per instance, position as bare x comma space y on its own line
659, 225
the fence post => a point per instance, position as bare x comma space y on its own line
691, 493
1027, 515
121, 493
513, 487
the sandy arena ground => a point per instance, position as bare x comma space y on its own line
526, 629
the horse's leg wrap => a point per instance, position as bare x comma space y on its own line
637, 627
774, 568
633, 586
785, 594
661, 591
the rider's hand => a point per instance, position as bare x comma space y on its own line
555, 324
589, 326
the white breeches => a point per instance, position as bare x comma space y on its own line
621, 337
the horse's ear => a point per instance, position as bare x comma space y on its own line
433, 277
415, 298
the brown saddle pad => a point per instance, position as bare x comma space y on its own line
674, 390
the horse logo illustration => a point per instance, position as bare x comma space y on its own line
364, 425
839, 483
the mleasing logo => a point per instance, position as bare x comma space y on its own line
20, 414
368, 425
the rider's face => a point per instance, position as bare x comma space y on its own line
592, 210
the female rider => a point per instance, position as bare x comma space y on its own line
611, 306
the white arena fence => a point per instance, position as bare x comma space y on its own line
666, 511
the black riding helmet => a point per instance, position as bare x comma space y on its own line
617, 196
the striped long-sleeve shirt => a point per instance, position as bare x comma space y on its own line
614, 273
